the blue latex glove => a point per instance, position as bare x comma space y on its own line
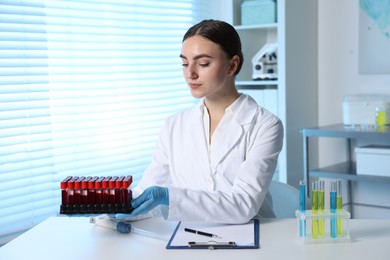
149, 199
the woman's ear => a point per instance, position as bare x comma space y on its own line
234, 63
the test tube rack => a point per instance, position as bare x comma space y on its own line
96, 195
334, 230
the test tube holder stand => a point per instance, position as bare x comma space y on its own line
322, 232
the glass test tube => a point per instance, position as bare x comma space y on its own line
302, 207
321, 208
380, 116
314, 208
333, 206
339, 206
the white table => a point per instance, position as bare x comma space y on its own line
75, 238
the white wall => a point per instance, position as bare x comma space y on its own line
338, 59
338, 75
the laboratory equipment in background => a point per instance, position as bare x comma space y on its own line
265, 63
366, 110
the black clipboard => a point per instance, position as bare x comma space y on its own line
201, 243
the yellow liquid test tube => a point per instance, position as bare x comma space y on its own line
321, 208
381, 118
339, 205
314, 208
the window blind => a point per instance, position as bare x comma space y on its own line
85, 87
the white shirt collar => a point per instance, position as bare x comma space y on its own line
233, 108
228, 116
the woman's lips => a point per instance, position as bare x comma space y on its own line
194, 86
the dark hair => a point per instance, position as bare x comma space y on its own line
220, 33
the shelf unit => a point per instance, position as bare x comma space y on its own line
253, 38
345, 170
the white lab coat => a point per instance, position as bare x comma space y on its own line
230, 185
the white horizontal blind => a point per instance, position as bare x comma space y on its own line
84, 89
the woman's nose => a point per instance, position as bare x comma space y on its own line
191, 72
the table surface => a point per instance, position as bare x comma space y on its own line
75, 238
342, 131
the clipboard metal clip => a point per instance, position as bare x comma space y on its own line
211, 245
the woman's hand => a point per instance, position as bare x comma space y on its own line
149, 199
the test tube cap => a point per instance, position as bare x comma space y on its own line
123, 227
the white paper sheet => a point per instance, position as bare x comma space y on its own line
242, 235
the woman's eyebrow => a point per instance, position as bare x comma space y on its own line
197, 56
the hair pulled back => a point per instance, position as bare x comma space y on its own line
220, 33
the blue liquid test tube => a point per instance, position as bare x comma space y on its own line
333, 206
302, 207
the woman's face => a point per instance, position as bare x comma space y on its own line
206, 67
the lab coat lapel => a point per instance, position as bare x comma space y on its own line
233, 132
227, 141
198, 138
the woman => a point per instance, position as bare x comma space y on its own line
215, 161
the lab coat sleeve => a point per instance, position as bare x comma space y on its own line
157, 173
243, 201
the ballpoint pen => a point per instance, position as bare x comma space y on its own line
202, 233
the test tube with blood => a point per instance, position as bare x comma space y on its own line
112, 194
105, 194
98, 195
91, 194
77, 194
126, 184
64, 194
119, 193
70, 192
84, 194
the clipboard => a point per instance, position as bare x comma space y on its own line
240, 236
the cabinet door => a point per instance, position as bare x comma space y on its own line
267, 98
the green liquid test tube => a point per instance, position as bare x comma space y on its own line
339, 204
321, 208
314, 208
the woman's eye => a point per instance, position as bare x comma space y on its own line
204, 64
184, 65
